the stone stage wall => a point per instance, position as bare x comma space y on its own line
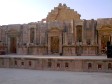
58, 63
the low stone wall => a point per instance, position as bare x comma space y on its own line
57, 64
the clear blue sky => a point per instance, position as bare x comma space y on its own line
25, 11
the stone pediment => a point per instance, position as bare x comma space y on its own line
62, 13
54, 31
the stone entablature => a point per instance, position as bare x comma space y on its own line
57, 63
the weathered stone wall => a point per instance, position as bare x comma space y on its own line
103, 22
89, 44
58, 64
66, 22
62, 13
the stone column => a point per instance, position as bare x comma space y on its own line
35, 35
60, 42
49, 44
8, 45
75, 34
82, 34
28, 35
46, 38
39, 36
99, 43
73, 39
84, 31
6, 36
65, 39
93, 37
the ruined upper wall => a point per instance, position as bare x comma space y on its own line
104, 22
62, 13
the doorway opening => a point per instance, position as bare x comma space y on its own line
104, 40
54, 44
13, 45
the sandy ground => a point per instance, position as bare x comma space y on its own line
24, 76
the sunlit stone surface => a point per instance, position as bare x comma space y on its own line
22, 76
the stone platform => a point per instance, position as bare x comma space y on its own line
54, 57
56, 62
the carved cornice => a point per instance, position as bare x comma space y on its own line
104, 30
104, 27
54, 29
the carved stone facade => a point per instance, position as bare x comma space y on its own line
62, 32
